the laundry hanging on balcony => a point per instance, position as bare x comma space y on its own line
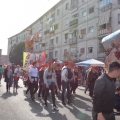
104, 18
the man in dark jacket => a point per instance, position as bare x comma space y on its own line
41, 82
104, 94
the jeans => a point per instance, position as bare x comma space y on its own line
41, 89
65, 85
52, 87
7, 85
110, 116
33, 88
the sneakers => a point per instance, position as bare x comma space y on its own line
69, 103
55, 108
45, 104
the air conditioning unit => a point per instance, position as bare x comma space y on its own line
80, 36
118, 1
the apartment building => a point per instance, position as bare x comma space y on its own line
73, 29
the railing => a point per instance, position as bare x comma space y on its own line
104, 31
73, 40
74, 6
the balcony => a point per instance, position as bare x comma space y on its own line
104, 31
74, 22
51, 46
74, 7
106, 7
51, 32
73, 40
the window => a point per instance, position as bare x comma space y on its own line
91, 29
65, 51
91, 10
66, 7
52, 28
90, 50
71, 35
84, 13
104, 3
66, 36
118, 18
56, 26
50, 55
43, 44
83, 32
56, 39
82, 50
56, 54
40, 45
66, 21
51, 41
53, 16
58, 12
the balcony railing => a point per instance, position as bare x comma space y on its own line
104, 31
73, 40
74, 22
74, 5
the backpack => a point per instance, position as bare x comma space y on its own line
70, 74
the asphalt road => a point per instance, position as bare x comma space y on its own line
16, 106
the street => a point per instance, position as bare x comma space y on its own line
16, 106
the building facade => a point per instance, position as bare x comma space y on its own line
72, 29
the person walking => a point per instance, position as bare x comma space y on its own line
17, 71
34, 78
58, 77
76, 79
104, 93
92, 77
9, 81
50, 83
1, 72
15, 86
65, 78
41, 83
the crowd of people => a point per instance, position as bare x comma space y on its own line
66, 79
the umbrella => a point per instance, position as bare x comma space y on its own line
91, 62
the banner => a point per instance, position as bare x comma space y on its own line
27, 61
24, 57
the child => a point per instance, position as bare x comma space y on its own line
15, 82
117, 99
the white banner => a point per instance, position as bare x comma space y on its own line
27, 62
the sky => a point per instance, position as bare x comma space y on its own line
16, 15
